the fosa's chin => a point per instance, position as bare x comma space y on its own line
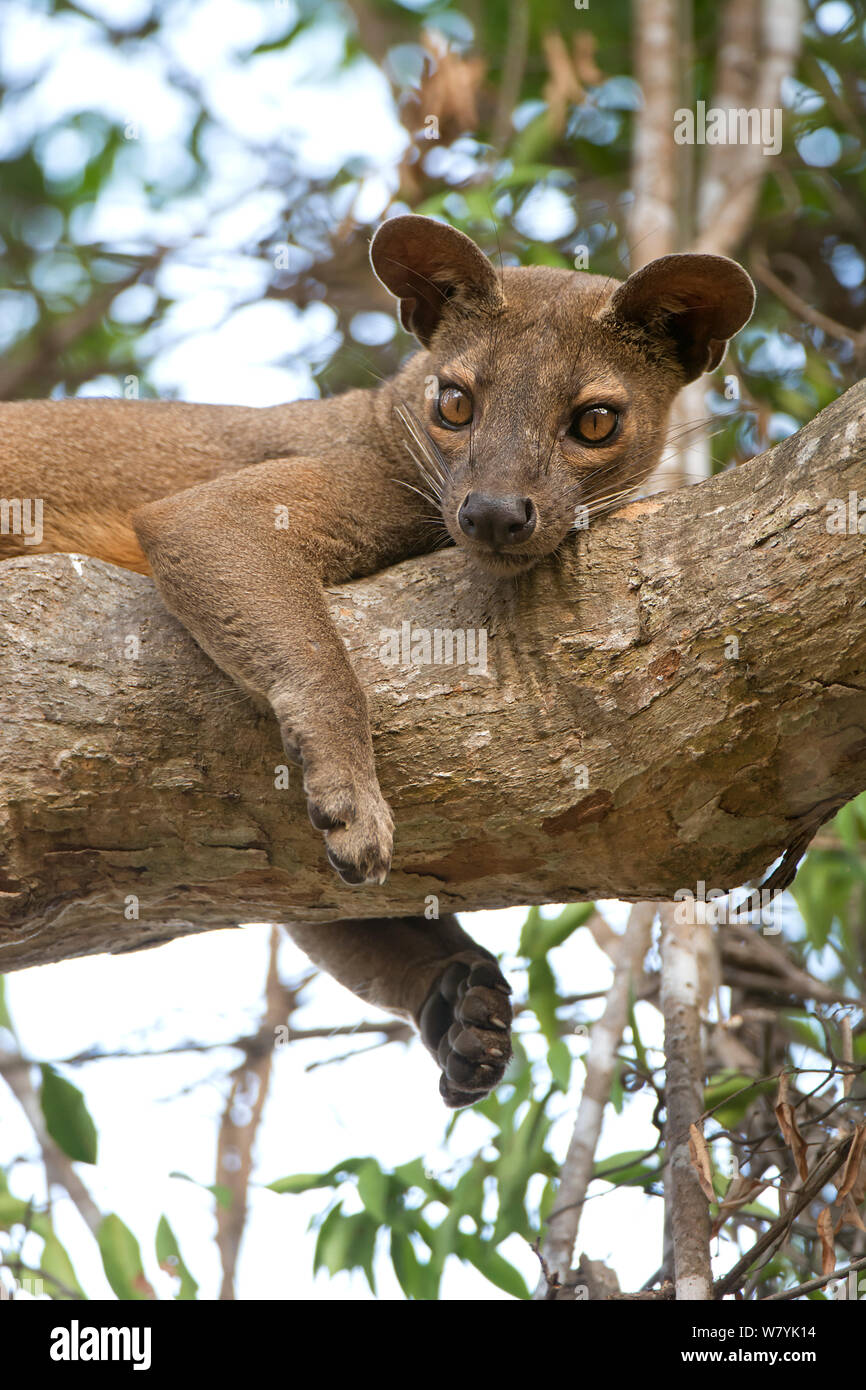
501, 563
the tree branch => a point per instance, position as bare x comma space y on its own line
681, 1000
727, 200
605, 1039
679, 696
653, 219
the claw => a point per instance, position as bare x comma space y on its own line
462, 1024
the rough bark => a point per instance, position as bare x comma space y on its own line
618, 748
687, 1207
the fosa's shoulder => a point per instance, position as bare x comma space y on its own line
527, 285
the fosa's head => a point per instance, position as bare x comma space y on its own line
548, 391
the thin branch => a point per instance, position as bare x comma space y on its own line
817, 1179
681, 997
813, 1284
761, 270
237, 1136
513, 67
653, 221
728, 211
601, 1060
59, 1169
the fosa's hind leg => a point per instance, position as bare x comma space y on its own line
435, 975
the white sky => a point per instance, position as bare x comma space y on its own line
160, 1115
156, 1116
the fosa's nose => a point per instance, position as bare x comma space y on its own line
497, 520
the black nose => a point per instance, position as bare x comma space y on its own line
497, 520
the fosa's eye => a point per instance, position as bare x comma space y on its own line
594, 424
455, 407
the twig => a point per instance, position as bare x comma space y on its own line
12, 1263
235, 1142
771, 1237
814, 1283
793, 301
58, 1166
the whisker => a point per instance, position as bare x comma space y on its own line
426, 495
431, 460
434, 482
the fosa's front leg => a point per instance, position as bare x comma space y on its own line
251, 593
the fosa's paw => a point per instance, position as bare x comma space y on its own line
357, 825
466, 1024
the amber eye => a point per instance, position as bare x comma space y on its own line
455, 407
594, 424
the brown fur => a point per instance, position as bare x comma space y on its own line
188, 493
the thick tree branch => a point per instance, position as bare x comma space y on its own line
679, 696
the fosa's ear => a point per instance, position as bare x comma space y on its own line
697, 301
429, 265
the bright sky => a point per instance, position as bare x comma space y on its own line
157, 1116
160, 1115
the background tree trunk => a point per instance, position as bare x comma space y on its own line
680, 696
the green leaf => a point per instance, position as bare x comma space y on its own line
466, 1200
739, 1091
5, 1016
822, 891
414, 1174
408, 1268
492, 1265
346, 1242
617, 1090
66, 1116
332, 1242
543, 998
558, 929
559, 1061
522, 1157
274, 45
548, 1197
639, 1049
170, 1259
55, 1260
529, 933
12, 1211
629, 1169
850, 823
301, 1182
218, 1190
374, 1189
363, 1246
121, 1260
